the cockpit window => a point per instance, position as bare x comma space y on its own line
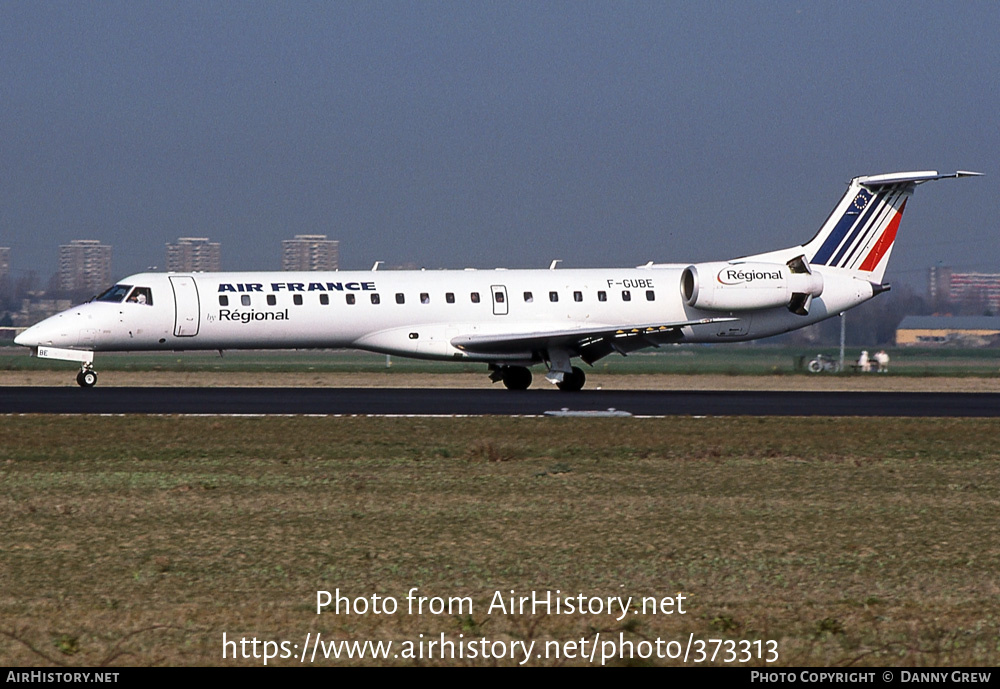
141, 295
114, 294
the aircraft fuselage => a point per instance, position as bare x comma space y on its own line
510, 319
409, 313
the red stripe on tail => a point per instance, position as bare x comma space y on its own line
884, 242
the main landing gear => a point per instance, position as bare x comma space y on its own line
513, 377
519, 378
573, 381
87, 377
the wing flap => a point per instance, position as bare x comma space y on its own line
591, 343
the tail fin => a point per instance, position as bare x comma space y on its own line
860, 232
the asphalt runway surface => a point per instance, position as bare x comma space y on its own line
451, 402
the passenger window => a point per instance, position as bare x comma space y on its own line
626, 295
297, 299
553, 296
449, 297
475, 297
425, 298
400, 299
245, 299
350, 298
577, 296
271, 300
528, 297
650, 295
324, 299
498, 297
223, 300
602, 295
375, 299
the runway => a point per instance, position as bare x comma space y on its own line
449, 402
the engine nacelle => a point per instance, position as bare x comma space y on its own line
739, 286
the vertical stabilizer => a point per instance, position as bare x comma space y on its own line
860, 233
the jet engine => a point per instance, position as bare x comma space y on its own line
751, 286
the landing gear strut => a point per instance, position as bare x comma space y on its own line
87, 377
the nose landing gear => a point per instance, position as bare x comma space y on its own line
87, 377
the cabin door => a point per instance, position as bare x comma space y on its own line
187, 308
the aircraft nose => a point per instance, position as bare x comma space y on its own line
27, 338
44, 333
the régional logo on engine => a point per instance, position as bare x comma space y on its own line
743, 276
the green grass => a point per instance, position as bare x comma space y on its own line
141, 540
732, 359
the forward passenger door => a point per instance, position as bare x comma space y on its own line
187, 308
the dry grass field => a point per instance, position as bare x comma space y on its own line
849, 542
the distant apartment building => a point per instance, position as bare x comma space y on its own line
948, 287
35, 310
310, 252
194, 254
4, 261
84, 264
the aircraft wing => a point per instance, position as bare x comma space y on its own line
590, 344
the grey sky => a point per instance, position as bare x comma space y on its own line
452, 134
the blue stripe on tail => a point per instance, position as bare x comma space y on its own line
886, 211
861, 201
862, 226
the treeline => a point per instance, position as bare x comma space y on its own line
13, 292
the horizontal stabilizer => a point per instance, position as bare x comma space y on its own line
872, 181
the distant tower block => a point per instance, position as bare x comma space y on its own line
194, 254
84, 264
4, 261
310, 252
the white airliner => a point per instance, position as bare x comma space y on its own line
507, 319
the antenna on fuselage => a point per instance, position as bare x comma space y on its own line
377, 264
555, 262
